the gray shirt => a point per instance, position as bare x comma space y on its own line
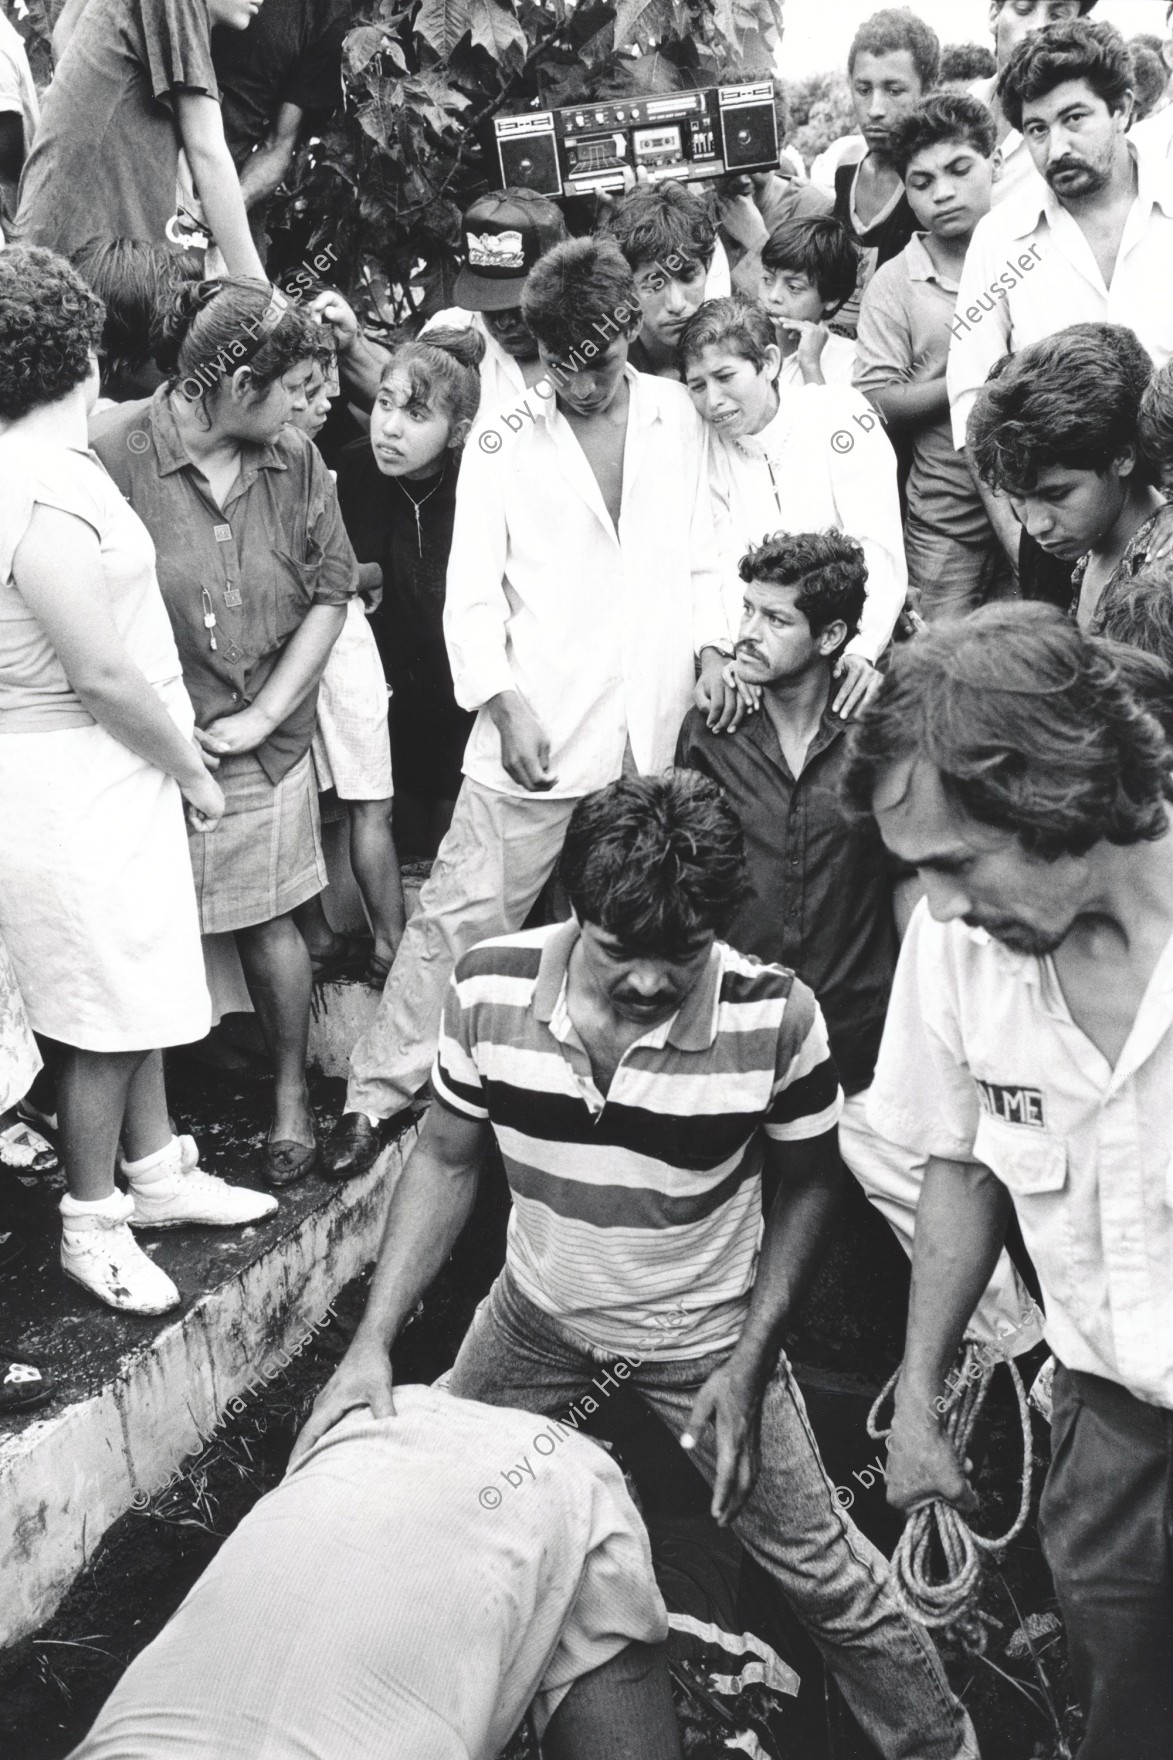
105, 158
903, 338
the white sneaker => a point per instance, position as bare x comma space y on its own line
182, 1194
103, 1256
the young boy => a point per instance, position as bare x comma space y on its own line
1056, 431
583, 581
893, 62
668, 240
944, 152
809, 269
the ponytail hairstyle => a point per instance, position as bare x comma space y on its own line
213, 327
442, 368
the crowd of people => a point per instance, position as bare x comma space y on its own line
753, 600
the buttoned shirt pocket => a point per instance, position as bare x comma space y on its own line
1029, 1162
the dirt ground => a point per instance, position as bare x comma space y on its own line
52, 1684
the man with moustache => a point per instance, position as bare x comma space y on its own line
1092, 243
1028, 1054
1011, 22
647, 1087
824, 898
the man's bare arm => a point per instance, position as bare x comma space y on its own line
1000, 515
960, 1230
265, 170
429, 1207
809, 1177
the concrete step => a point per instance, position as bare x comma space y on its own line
138, 1396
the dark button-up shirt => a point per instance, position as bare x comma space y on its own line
821, 880
277, 548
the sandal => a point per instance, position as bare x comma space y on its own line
25, 1150
346, 959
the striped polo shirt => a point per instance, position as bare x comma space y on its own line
637, 1218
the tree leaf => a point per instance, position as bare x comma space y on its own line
498, 31
363, 44
442, 23
627, 16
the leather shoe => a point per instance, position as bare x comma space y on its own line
284, 1161
353, 1145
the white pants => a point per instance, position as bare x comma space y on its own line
892, 1178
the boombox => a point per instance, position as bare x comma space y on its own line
689, 135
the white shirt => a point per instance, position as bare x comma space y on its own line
1155, 134
18, 94
596, 628
837, 363
824, 461
982, 1061
1030, 271
1014, 169
502, 380
848, 150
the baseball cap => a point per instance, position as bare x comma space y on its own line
501, 238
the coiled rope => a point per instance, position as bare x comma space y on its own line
951, 1600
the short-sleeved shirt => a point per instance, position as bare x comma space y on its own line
35, 694
291, 53
278, 547
105, 160
982, 1061
903, 338
404, 1592
837, 363
820, 896
636, 1218
18, 94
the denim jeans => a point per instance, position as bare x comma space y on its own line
835, 1580
1106, 1524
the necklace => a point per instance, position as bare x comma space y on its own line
416, 505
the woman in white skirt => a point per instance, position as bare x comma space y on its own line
97, 905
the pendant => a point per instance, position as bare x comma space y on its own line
232, 598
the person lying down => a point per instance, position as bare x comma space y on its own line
406, 1593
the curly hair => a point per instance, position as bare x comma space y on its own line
943, 116
655, 861
50, 323
1071, 400
1076, 48
819, 247
737, 324
1032, 726
828, 568
213, 327
662, 221
893, 29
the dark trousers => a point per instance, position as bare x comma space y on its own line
1106, 1522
